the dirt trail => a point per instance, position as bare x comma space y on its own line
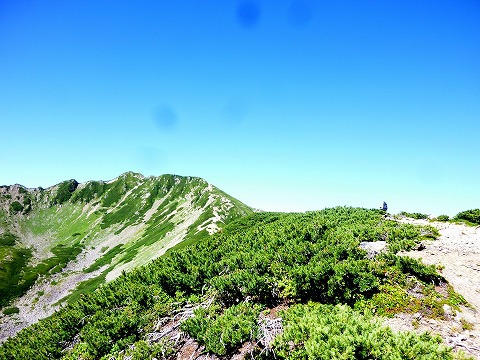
457, 250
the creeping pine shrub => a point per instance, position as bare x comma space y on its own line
221, 333
119, 327
16, 207
425, 273
443, 218
11, 310
472, 216
406, 236
317, 331
416, 215
7, 239
64, 191
141, 350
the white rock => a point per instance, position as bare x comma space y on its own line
373, 248
447, 309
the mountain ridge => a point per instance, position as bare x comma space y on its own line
71, 237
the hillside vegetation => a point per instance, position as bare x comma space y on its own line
470, 216
60, 242
294, 286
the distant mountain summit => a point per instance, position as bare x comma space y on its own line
58, 242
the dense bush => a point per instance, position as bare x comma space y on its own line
443, 218
12, 261
89, 191
11, 310
27, 205
64, 191
117, 326
415, 215
425, 273
141, 350
223, 332
7, 239
316, 331
472, 216
16, 207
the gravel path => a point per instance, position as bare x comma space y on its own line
457, 250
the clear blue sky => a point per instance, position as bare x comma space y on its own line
286, 105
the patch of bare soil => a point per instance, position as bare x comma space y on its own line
457, 253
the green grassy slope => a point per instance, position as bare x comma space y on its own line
310, 264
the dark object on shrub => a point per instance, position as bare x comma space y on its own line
384, 206
472, 216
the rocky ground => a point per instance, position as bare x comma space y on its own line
457, 252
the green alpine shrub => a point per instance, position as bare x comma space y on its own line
315, 331
472, 216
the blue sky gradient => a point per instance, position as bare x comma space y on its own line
286, 105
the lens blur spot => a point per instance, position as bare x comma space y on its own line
248, 13
165, 118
